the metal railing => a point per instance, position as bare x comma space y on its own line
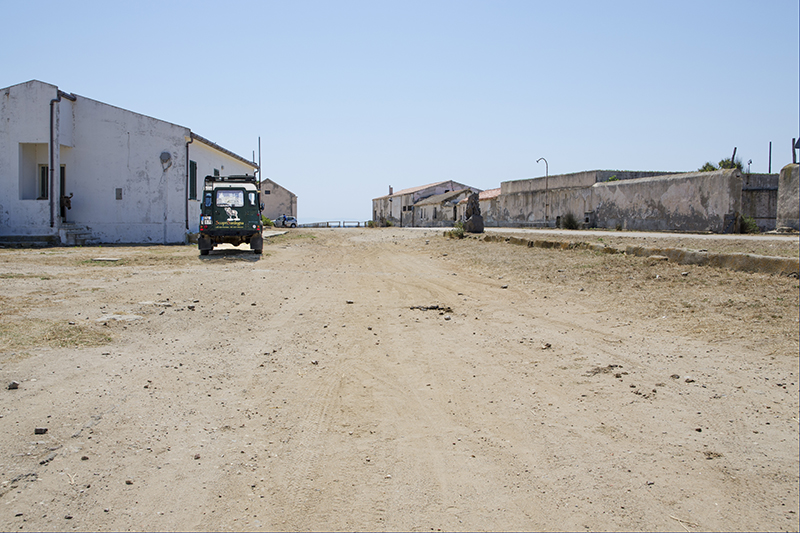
334, 224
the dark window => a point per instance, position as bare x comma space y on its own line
216, 172
192, 180
44, 189
266, 191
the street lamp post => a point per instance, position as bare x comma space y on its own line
546, 175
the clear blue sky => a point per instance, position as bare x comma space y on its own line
350, 97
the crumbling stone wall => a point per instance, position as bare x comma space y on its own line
696, 201
789, 198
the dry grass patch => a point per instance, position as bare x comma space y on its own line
20, 335
713, 304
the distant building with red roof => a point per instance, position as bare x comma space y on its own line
400, 208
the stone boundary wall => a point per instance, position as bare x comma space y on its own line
789, 197
782, 266
575, 179
648, 201
696, 201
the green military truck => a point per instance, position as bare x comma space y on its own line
230, 213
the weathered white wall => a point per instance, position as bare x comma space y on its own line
529, 208
208, 159
24, 137
118, 149
103, 149
697, 201
540, 201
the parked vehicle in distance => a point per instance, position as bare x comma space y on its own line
286, 221
230, 213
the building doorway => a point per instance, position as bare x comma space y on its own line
65, 202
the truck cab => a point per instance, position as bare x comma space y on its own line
230, 213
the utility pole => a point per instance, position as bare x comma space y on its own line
546, 174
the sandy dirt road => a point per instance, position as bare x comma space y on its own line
394, 380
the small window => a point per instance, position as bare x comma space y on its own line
192, 180
119, 194
208, 199
230, 198
216, 172
251, 196
43, 190
266, 191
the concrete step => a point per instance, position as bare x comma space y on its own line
74, 234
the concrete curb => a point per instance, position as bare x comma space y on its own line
780, 266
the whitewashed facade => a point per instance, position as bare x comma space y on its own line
130, 178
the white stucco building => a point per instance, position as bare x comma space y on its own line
130, 178
398, 207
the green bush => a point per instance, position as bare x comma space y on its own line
570, 222
724, 164
266, 221
727, 163
457, 232
749, 225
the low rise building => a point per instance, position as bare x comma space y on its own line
440, 209
277, 200
75, 170
398, 207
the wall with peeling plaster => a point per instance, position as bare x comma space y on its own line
122, 191
653, 201
789, 197
118, 149
696, 201
24, 137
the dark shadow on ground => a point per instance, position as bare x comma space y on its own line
244, 254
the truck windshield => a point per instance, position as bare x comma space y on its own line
229, 198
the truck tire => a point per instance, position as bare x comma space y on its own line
204, 252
